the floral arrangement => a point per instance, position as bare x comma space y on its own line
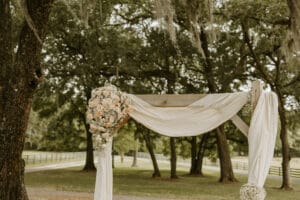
107, 108
252, 192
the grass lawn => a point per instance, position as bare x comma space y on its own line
138, 182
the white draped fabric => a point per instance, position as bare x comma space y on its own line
262, 137
104, 177
199, 117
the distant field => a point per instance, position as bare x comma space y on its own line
138, 182
294, 163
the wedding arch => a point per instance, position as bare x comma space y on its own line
181, 116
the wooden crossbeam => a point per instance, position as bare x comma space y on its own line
181, 100
170, 100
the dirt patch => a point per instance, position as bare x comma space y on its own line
52, 194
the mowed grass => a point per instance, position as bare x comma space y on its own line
138, 182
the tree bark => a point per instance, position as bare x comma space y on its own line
173, 158
196, 167
18, 82
286, 157
193, 155
149, 146
89, 158
226, 173
113, 155
135, 152
122, 157
224, 156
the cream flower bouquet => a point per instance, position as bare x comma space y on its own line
107, 108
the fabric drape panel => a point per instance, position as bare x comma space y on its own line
104, 176
262, 137
240, 124
199, 117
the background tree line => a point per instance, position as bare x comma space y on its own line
132, 47
141, 46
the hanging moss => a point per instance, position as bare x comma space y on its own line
198, 13
164, 11
86, 7
291, 47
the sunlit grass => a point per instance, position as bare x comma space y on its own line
138, 182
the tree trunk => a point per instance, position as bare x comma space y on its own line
113, 155
286, 157
135, 152
89, 159
149, 146
226, 173
223, 149
193, 155
196, 168
200, 155
173, 159
122, 157
18, 82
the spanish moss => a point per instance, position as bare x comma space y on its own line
292, 45
164, 11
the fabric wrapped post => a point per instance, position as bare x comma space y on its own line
104, 176
261, 138
197, 118
108, 107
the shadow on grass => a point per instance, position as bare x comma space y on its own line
138, 182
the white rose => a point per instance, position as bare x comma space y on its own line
105, 135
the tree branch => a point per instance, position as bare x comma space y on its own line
293, 81
259, 66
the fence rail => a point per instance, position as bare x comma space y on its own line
274, 170
49, 157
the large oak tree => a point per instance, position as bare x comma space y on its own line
20, 74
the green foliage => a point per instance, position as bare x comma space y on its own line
120, 42
59, 131
124, 141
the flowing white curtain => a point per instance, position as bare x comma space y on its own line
199, 117
261, 139
104, 176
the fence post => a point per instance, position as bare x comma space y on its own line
279, 169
